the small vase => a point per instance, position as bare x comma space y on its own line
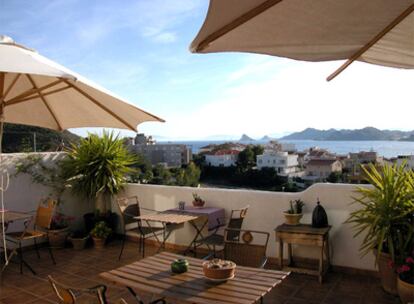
292, 219
405, 291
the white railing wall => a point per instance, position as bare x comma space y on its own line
266, 212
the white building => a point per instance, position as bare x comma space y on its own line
222, 158
407, 159
285, 164
171, 155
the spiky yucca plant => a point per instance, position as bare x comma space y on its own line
387, 209
98, 165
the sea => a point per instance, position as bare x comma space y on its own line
387, 149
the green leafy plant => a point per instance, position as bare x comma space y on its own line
98, 165
197, 198
101, 230
296, 207
386, 213
44, 172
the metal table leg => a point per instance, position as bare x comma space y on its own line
199, 235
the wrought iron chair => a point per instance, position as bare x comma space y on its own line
249, 250
43, 220
216, 239
69, 295
129, 209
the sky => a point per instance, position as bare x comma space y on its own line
140, 51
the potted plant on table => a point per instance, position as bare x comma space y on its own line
294, 214
96, 169
198, 202
99, 234
386, 218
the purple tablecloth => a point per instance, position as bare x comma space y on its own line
215, 215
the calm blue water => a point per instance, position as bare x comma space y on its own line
384, 148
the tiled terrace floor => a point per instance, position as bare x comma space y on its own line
81, 269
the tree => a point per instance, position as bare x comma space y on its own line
334, 177
190, 176
246, 159
162, 175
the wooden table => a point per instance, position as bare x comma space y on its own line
304, 234
153, 275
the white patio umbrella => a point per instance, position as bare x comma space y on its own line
39, 92
374, 31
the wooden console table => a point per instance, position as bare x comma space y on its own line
304, 234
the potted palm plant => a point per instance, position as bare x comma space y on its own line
294, 214
384, 217
96, 168
99, 234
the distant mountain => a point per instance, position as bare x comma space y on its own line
266, 138
368, 133
246, 138
21, 138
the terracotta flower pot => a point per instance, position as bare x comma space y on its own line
292, 219
78, 243
405, 291
57, 237
198, 204
99, 243
388, 275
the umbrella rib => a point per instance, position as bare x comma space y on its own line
11, 85
31, 92
96, 102
45, 94
42, 97
236, 23
374, 40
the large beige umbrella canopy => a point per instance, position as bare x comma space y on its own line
37, 91
374, 31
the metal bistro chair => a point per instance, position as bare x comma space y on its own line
69, 295
216, 239
43, 220
129, 208
249, 250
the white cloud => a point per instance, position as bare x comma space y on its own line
279, 95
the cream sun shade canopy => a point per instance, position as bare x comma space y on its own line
374, 31
37, 91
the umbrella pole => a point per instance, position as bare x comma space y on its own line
2, 189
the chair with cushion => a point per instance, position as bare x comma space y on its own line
129, 209
42, 222
249, 250
216, 239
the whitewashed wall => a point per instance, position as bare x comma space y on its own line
23, 195
265, 213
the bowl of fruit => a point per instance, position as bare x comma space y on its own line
219, 270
